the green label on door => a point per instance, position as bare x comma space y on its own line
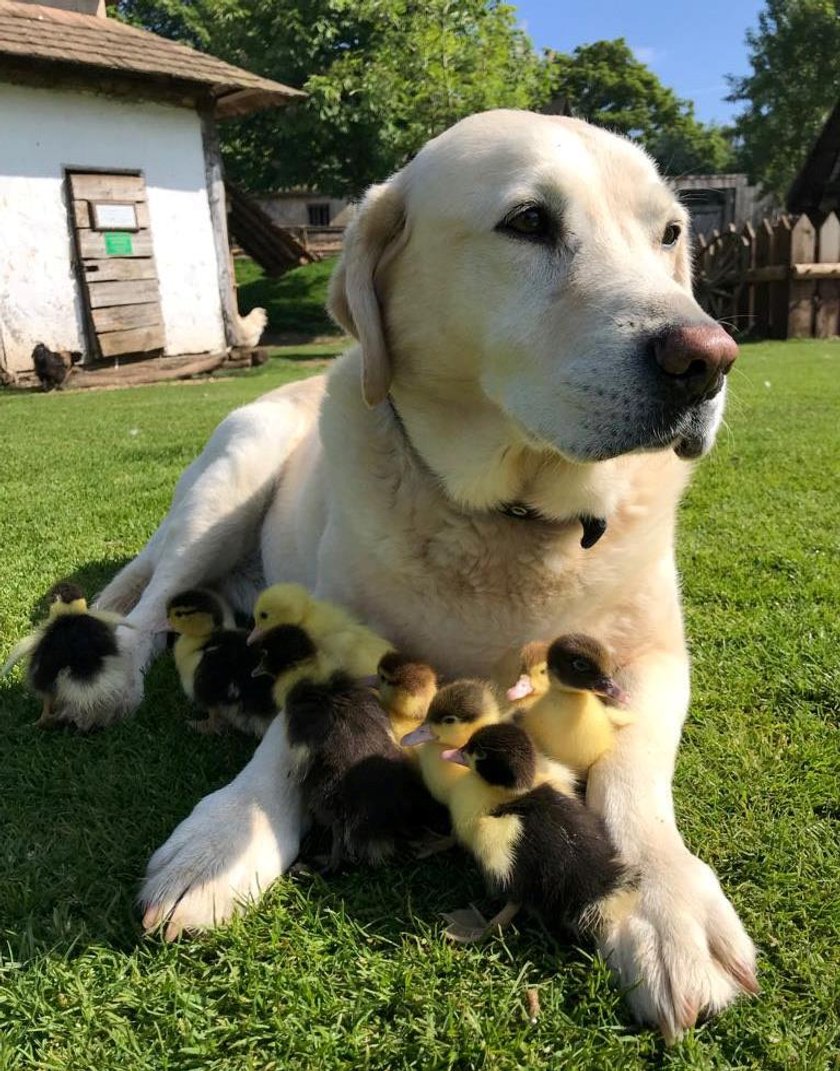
118, 244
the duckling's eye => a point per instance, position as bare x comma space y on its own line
671, 235
450, 719
580, 665
543, 671
479, 754
263, 615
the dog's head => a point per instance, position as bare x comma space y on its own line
545, 260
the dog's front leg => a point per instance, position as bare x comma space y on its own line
231, 848
682, 950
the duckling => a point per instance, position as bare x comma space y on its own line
456, 711
355, 780
540, 848
288, 655
216, 666
335, 632
73, 658
570, 723
406, 688
532, 680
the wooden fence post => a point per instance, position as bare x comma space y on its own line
779, 291
801, 293
761, 290
827, 319
745, 300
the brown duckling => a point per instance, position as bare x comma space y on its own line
406, 689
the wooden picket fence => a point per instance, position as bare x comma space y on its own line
779, 279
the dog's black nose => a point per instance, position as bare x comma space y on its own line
694, 358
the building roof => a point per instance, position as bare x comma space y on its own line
816, 189
103, 49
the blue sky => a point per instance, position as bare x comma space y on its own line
691, 47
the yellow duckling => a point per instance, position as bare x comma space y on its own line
406, 689
72, 659
532, 680
571, 723
454, 714
350, 645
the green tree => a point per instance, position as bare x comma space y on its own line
605, 84
382, 77
795, 81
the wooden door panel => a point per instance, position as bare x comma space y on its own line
116, 267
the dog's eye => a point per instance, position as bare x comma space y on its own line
671, 235
532, 222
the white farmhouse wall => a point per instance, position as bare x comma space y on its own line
42, 132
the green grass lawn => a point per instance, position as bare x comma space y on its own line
353, 972
294, 301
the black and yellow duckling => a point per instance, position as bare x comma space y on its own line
575, 720
355, 780
406, 689
73, 659
287, 655
216, 666
456, 711
538, 847
351, 645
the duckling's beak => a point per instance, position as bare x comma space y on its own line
521, 689
608, 689
421, 735
454, 754
254, 635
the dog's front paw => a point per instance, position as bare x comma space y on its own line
223, 856
682, 951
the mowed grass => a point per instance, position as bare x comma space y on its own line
353, 972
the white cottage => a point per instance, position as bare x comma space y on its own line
113, 230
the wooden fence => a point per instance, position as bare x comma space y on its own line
780, 279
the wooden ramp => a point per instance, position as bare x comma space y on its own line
271, 246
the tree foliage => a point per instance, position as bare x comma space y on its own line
604, 83
382, 76
795, 81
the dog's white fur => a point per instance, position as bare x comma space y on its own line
520, 372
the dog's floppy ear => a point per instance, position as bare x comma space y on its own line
371, 240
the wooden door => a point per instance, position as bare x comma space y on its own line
116, 263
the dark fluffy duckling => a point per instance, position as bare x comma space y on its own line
73, 659
287, 654
216, 666
575, 721
540, 848
356, 782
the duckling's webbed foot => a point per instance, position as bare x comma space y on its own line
468, 925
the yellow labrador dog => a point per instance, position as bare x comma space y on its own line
499, 459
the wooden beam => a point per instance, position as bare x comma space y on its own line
96, 187
214, 175
116, 268
141, 340
122, 293
125, 317
92, 245
830, 270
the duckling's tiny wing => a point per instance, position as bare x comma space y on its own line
20, 650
